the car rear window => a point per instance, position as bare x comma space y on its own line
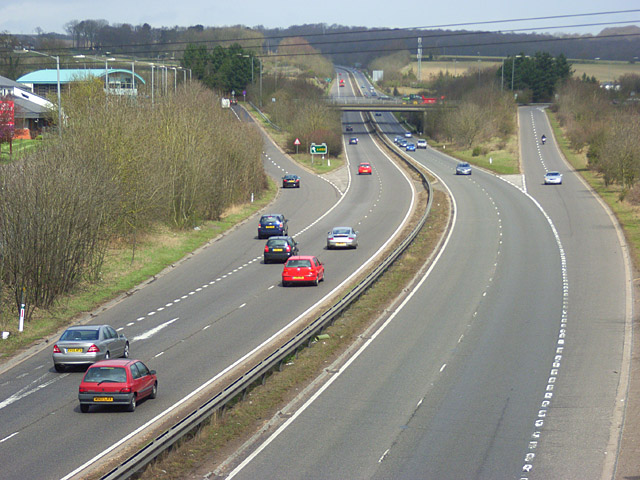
299, 263
341, 231
270, 219
280, 242
106, 374
80, 335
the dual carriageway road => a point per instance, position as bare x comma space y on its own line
455, 386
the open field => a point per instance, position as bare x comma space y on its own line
604, 71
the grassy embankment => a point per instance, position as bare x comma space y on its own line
19, 148
155, 251
628, 215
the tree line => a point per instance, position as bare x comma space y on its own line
121, 166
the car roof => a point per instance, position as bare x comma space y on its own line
302, 257
364, 163
115, 362
553, 173
86, 327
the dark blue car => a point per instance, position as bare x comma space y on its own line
272, 224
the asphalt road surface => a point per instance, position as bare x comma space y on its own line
509, 360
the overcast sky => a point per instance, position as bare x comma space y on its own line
25, 16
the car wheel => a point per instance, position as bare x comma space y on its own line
125, 354
266, 261
285, 284
132, 404
154, 391
84, 408
322, 279
107, 356
315, 282
260, 237
59, 367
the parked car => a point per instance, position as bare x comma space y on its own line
302, 269
290, 180
342, 237
364, 168
553, 178
421, 143
411, 147
463, 169
272, 224
279, 249
87, 344
353, 141
117, 382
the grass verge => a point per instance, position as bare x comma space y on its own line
20, 147
121, 272
497, 156
628, 215
214, 442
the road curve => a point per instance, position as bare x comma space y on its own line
488, 370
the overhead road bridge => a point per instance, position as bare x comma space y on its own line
359, 104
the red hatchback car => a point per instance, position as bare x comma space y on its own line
117, 382
303, 269
364, 168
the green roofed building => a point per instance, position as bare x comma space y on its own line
120, 81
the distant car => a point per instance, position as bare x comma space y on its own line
87, 344
421, 143
272, 224
378, 114
397, 139
342, 237
384, 97
353, 141
117, 382
403, 143
407, 134
373, 93
411, 147
302, 269
349, 128
364, 168
290, 180
553, 178
279, 248
463, 169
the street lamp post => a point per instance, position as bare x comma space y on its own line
513, 67
57, 58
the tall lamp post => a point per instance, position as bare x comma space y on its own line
57, 58
513, 67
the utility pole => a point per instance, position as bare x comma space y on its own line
419, 59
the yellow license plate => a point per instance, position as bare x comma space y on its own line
74, 350
341, 244
103, 399
277, 249
298, 278
269, 226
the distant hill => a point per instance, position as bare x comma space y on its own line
628, 30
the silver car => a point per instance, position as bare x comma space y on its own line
342, 237
463, 169
86, 344
553, 178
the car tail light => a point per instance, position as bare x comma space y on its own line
266, 248
56, 349
280, 225
83, 390
93, 349
288, 248
125, 390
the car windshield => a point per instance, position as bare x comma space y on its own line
106, 374
80, 335
298, 264
341, 231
